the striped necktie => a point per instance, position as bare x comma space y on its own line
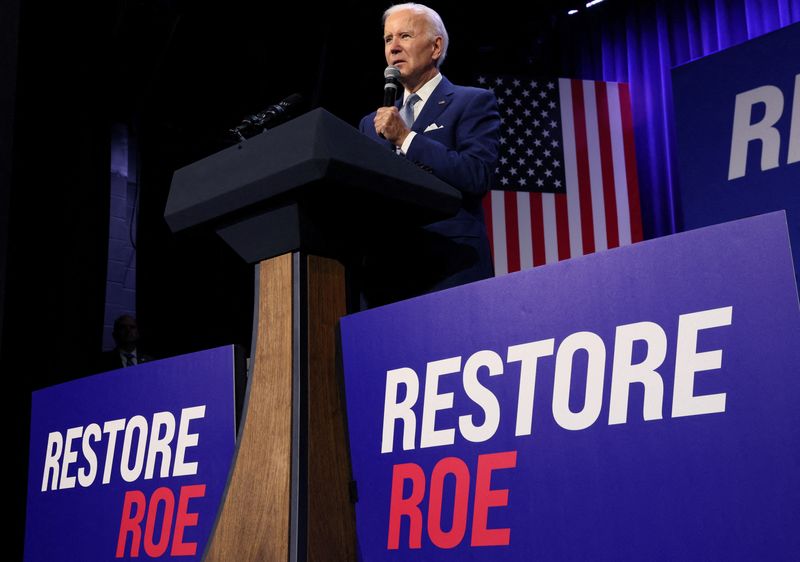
407, 111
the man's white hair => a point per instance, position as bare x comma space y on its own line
435, 23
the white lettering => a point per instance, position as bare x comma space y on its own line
624, 372
689, 361
139, 455
745, 132
112, 427
92, 433
186, 440
595, 372
139, 425
434, 402
794, 129
639, 352
482, 396
160, 445
55, 444
70, 457
528, 354
393, 410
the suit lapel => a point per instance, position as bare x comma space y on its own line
440, 98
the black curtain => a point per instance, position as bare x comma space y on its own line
57, 210
639, 42
9, 19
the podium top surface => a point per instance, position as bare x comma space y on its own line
316, 158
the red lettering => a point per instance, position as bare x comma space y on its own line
452, 538
409, 506
185, 519
485, 498
165, 495
131, 524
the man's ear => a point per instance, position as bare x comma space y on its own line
437, 47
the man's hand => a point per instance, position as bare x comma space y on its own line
389, 124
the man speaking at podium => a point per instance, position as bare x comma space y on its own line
451, 131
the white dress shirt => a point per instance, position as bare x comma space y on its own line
424, 93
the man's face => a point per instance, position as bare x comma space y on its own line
126, 331
408, 46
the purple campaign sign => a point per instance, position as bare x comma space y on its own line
636, 404
131, 464
737, 126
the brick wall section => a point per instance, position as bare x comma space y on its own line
121, 273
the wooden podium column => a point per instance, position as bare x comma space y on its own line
331, 514
312, 185
288, 492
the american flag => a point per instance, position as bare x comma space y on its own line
566, 182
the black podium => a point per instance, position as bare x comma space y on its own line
299, 201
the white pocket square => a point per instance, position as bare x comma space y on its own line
433, 127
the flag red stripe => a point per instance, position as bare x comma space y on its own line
557, 222
537, 229
630, 163
584, 180
512, 230
488, 216
607, 166
562, 226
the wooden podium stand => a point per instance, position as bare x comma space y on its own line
298, 201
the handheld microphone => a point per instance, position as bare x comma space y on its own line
391, 85
270, 117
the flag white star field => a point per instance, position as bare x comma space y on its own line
566, 183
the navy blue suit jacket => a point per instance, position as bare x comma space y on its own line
457, 139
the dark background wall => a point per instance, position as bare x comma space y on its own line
9, 15
218, 66
176, 74
57, 206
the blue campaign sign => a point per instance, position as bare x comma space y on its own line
737, 118
637, 404
131, 464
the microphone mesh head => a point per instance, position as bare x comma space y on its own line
391, 72
294, 99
